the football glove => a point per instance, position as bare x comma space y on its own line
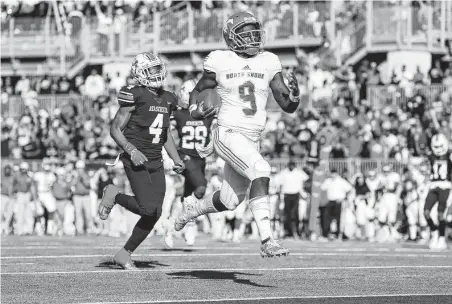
138, 158
199, 112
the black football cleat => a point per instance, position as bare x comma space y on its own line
108, 201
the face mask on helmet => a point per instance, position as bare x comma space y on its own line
148, 70
247, 38
440, 145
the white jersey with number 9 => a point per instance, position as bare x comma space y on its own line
243, 86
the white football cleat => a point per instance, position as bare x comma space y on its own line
188, 212
168, 239
441, 243
273, 248
433, 240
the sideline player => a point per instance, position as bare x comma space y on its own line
242, 76
389, 203
141, 129
44, 181
439, 190
193, 134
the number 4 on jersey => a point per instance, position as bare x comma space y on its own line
156, 128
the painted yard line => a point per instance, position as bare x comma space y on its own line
275, 298
315, 249
231, 269
14, 264
119, 246
194, 254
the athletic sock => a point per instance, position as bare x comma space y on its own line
211, 204
129, 202
140, 232
442, 228
413, 232
260, 207
432, 225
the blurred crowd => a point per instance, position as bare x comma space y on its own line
61, 198
342, 116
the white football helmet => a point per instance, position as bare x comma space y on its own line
148, 70
184, 93
440, 144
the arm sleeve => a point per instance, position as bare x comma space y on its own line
126, 97
275, 66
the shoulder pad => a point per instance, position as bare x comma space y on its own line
272, 62
125, 96
212, 60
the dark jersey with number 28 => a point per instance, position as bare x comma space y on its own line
192, 133
149, 122
440, 167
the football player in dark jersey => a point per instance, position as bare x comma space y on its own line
440, 184
193, 135
141, 129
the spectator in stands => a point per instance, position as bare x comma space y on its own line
119, 22
94, 85
22, 86
338, 150
77, 84
447, 80
436, 74
103, 29
64, 85
418, 77
117, 82
44, 85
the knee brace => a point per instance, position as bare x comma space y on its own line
199, 192
259, 187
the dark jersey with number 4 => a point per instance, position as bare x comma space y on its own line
149, 121
192, 133
440, 167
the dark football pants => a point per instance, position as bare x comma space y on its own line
437, 195
148, 184
332, 211
291, 220
195, 169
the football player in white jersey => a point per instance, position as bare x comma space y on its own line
389, 202
44, 182
242, 77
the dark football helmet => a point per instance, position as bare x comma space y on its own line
249, 42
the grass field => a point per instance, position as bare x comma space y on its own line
79, 270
